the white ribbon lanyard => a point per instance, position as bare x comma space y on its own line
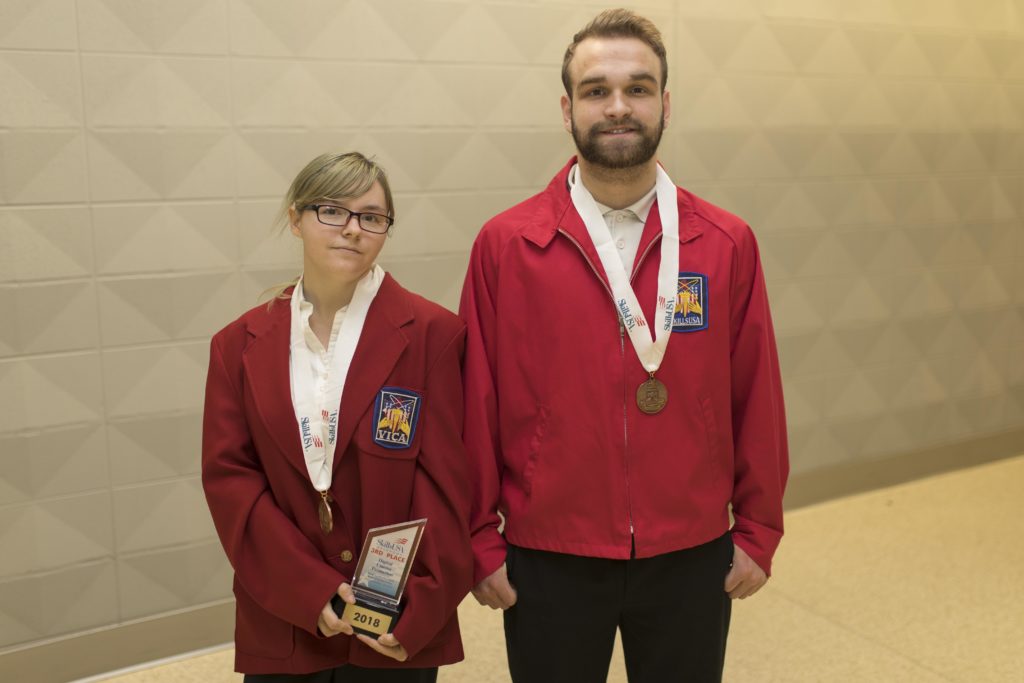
316, 409
649, 350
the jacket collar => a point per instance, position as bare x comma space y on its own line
267, 373
557, 212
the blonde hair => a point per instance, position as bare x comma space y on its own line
617, 23
330, 176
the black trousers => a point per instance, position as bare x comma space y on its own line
350, 674
672, 610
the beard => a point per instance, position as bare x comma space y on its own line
618, 155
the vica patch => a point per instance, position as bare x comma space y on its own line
396, 413
691, 312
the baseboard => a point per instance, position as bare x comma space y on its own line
847, 479
130, 644
117, 647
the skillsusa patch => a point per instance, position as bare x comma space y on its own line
691, 303
396, 413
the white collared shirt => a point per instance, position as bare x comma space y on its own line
319, 357
627, 226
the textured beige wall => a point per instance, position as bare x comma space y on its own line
877, 146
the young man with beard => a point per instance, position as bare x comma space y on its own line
622, 395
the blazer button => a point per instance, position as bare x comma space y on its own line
346, 556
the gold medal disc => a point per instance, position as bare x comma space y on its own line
651, 396
326, 516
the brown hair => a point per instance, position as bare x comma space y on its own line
617, 23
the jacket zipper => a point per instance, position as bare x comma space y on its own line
625, 397
622, 350
625, 430
639, 261
590, 263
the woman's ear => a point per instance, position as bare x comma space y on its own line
293, 220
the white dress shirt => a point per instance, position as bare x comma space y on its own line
627, 225
320, 357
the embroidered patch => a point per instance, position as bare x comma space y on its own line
691, 303
396, 413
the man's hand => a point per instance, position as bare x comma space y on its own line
387, 645
495, 591
745, 578
329, 623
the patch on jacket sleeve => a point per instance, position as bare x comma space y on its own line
691, 303
396, 413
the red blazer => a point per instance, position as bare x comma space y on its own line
265, 508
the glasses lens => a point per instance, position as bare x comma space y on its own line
333, 215
374, 222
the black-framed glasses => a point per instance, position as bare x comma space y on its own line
339, 216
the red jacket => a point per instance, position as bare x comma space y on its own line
557, 442
265, 508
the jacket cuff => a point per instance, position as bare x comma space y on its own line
488, 553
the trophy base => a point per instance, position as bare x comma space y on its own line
367, 616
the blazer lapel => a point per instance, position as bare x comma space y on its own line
267, 373
380, 346
267, 370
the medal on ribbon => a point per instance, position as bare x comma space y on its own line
652, 394
317, 411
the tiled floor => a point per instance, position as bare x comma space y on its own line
921, 582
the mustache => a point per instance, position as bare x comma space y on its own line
628, 123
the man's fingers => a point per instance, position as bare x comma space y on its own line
495, 591
758, 585
739, 585
747, 587
487, 598
746, 577
481, 598
745, 592
743, 588
750, 592
732, 580
506, 595
497, 599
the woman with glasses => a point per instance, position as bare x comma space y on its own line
332, 410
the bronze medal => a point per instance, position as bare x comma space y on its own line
324, 510
651, 396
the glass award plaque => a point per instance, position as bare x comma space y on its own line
380, 578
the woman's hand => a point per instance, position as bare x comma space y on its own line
387, 645
329, 623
